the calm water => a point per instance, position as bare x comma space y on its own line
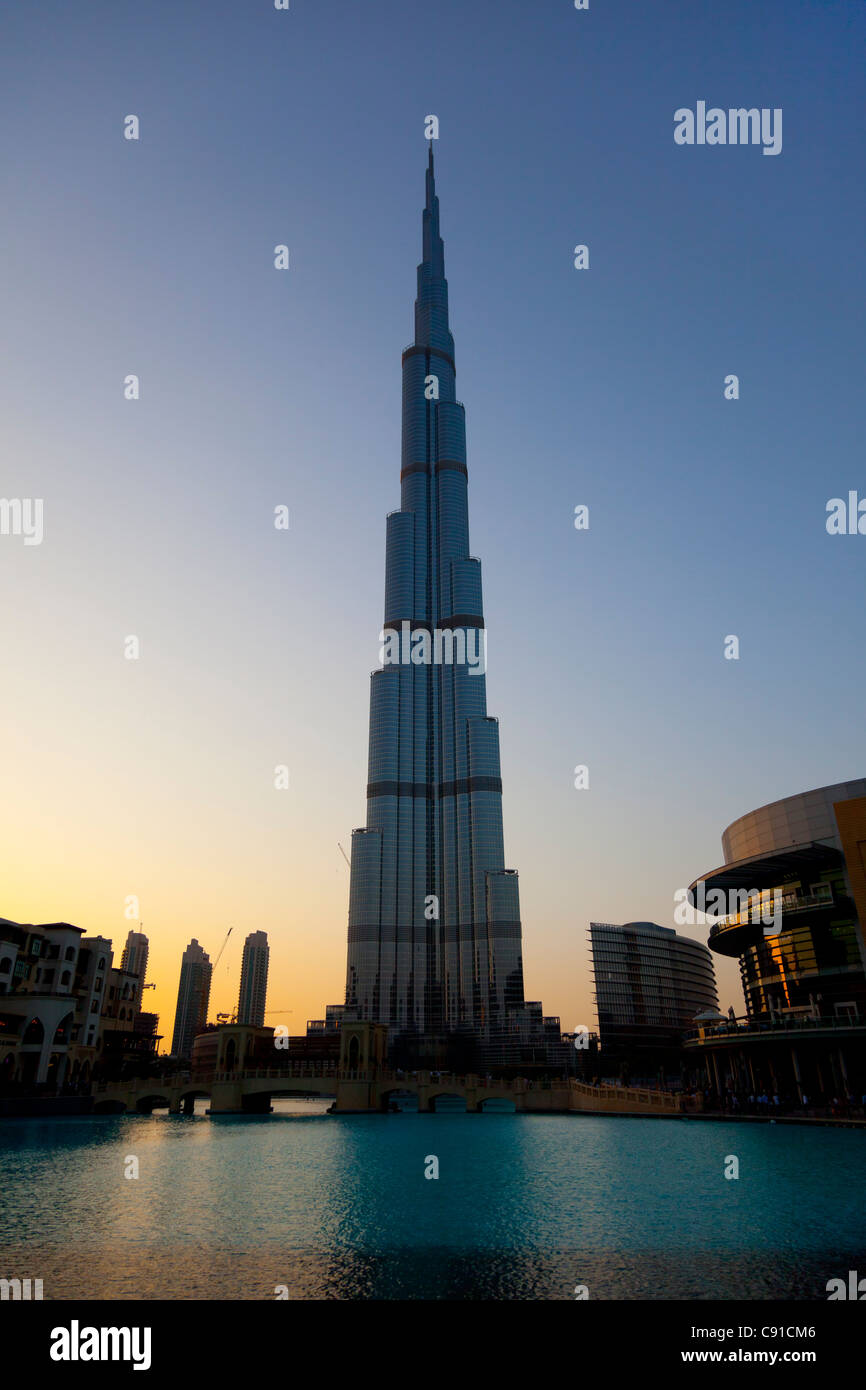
524, 1207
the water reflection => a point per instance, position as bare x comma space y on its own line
525, 1207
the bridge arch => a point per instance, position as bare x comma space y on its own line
447, 1102
399, 1099
156, 1100
188, 1098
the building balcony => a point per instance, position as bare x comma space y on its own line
820, 896
794, 1023
768, 871
731, 936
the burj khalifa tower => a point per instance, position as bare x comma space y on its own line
435, 940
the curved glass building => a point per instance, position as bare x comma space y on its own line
810, 960
794, 884
434, 919
650, 983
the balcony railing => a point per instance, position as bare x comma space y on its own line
741, 1027
821, 896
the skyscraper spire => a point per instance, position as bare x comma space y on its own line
435, 945
431, 304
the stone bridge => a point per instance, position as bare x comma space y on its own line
250, 1092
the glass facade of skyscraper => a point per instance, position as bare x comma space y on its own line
253, 991
434, 918
135, 953
193, 997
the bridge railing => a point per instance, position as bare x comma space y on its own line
293, 1071
330, 1071
632, 1094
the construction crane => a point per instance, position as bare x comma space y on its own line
343, 852
222, 948
233, 1018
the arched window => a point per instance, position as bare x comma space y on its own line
65, 977
34, 1032
63, 1029
70, 953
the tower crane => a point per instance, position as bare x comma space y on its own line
222, 948
233, 1018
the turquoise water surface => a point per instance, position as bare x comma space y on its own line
524, 1206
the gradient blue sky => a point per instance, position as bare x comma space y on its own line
602, 387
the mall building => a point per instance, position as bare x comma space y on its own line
803, 973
